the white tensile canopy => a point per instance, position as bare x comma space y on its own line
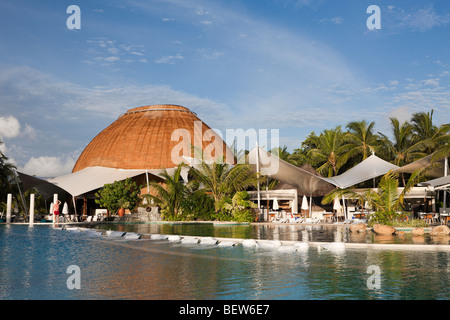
271, 165
438, 184
368, 169
434, 170
92, 178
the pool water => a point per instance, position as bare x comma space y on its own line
34, 263
282, 232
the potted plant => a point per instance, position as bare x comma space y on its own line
123, 204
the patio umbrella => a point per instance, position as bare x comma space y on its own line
65, 209
304, 203
337, 204
275, 204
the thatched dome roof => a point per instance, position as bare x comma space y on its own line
142, 138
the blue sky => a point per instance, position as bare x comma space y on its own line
293, 65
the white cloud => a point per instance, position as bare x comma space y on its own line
431, 82
401, 113
413, 19
169, 59
64, 116
48, 166
9, 127
106, 52
335, 20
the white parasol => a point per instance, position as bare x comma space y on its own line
275, 204
304, 203
337, 204
65, 209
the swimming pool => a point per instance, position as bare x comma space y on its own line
282, 232
35, 261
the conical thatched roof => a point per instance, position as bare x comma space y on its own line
150, 137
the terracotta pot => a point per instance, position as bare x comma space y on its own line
121, 212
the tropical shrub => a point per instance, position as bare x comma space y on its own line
124, 193
197, 206
240, 208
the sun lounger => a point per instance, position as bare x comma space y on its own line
158, 237
208, 241
132, 236
189, 240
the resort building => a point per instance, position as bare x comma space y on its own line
284, 203
146, 140
139, 144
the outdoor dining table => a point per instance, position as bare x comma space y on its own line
359, 215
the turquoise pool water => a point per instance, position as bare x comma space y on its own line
34, 263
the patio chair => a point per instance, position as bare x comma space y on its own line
340, 216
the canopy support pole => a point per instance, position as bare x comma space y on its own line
310, 206
257, 175
148, 185
75, 207
20, 192
445, 191
345, 208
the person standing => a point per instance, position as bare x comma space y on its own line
56, 211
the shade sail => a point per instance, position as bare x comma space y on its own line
370, 168
434, 169
45, 188
92, 178
443, 182
271, 165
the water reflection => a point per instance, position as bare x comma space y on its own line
34, 263
282, 232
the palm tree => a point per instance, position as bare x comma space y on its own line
6, 175
423, 125
300, 155
330, 151
361, 138
403, 149
170, 195
283, 154
424, 129
442, 143
222, 180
